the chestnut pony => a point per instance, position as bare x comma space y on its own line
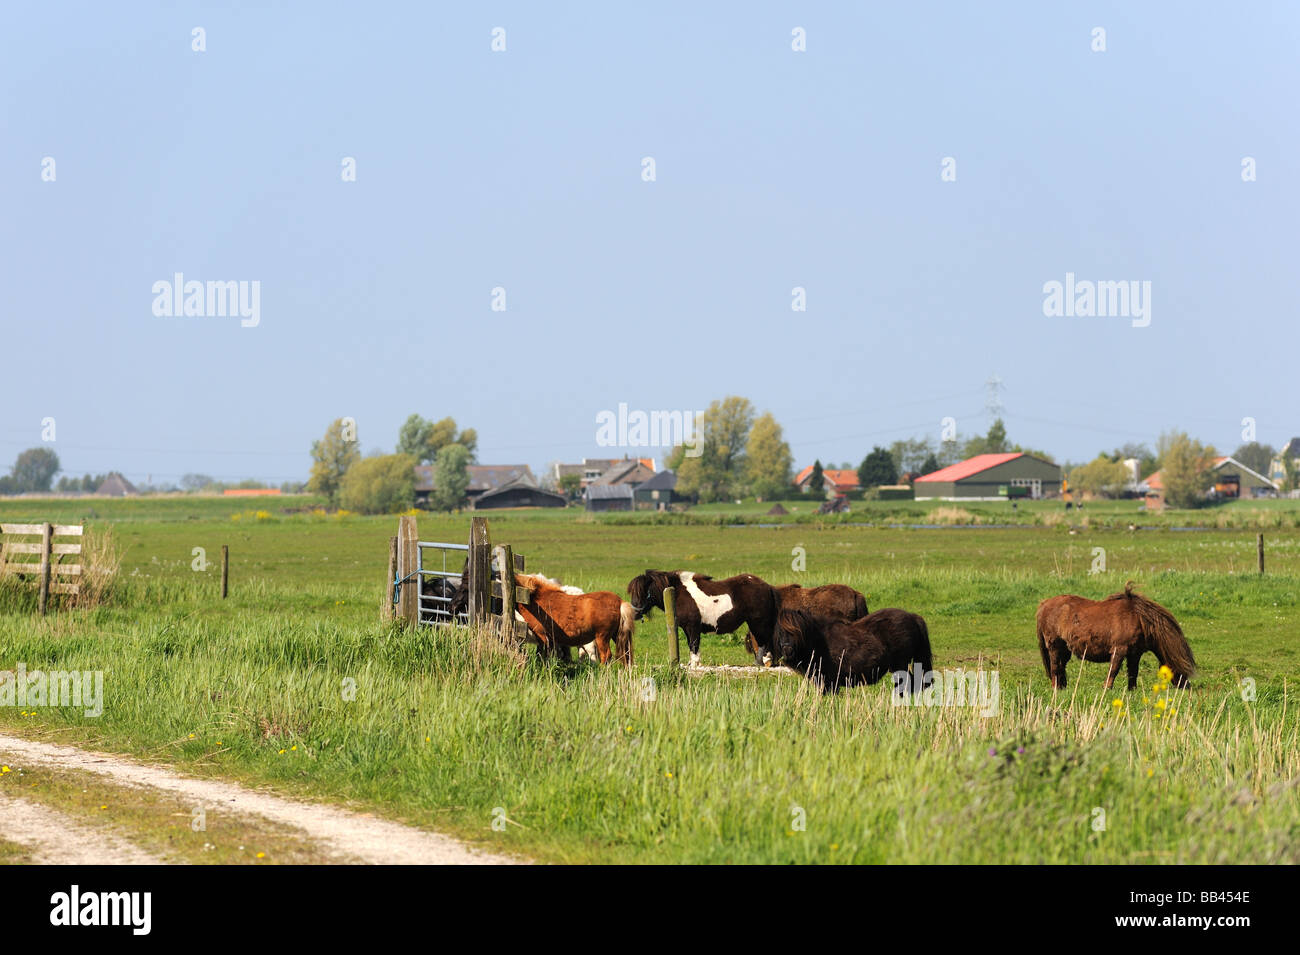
834, 652
1116, 630
560, 619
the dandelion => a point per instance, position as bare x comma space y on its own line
1117, 703
294, 746
3, 770
261, 855
1166, 674
1150, 772
219, 743
282, 751
1161, 704
668, 775
103, 807
191, 736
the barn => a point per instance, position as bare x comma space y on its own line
608, 497
518, 494
991, 477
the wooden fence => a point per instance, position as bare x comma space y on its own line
407, 573
42, 558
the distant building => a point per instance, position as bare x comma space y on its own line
592, 469
625, 472
1277, 467
1232, 480
116, 486
609, 497
518, 494
657, 494
835, 480
482, 479
990, 477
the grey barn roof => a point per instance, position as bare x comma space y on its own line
609, 492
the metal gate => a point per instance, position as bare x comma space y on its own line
431, 566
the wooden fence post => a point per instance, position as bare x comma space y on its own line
506, 558
480, 571
670, 613
408, 560
47, 540
390, 612
225, 570
1259, 543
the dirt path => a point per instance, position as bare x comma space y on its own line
347, 836
57, 839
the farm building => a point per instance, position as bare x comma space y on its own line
657, 494
837, 481
1277, 467
592, 469
517, 494
482, 478
991, 477
629, 472
116, 486
609, 497
1232, 480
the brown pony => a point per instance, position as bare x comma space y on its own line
1116, 630
834, 652
829, 600
562, 620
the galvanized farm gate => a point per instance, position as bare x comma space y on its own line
486, 572
48, 565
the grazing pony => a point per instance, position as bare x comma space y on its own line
829, 600
834, 652
705, 605
1116, 630
558, 619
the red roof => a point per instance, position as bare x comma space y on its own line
834, 477
964, 469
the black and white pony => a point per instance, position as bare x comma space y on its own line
705, 605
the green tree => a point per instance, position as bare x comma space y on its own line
1100, 476
877, 468
718, 472
1186, 469
1258, 457
332, 456
34, 470
767, 458
995, 442
930, 464
570, 486
817, 480
379, 485
910, 454
423, 439
450, 477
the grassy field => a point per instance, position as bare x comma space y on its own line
447, 731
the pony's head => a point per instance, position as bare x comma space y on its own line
792, 628
646, 591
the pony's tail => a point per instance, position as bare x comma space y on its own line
1170, 645
923, 646
626, 624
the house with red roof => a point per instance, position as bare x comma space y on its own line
837, 480
1232, 479
991, 477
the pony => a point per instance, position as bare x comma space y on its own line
1116, 630
705, 605
829, 600
833, 652
559, 619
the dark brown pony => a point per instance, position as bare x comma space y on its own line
562, 620
705, 605
829, 600
1116, 630
833, 652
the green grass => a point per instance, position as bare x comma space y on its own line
443, 729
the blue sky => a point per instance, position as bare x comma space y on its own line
522, 169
